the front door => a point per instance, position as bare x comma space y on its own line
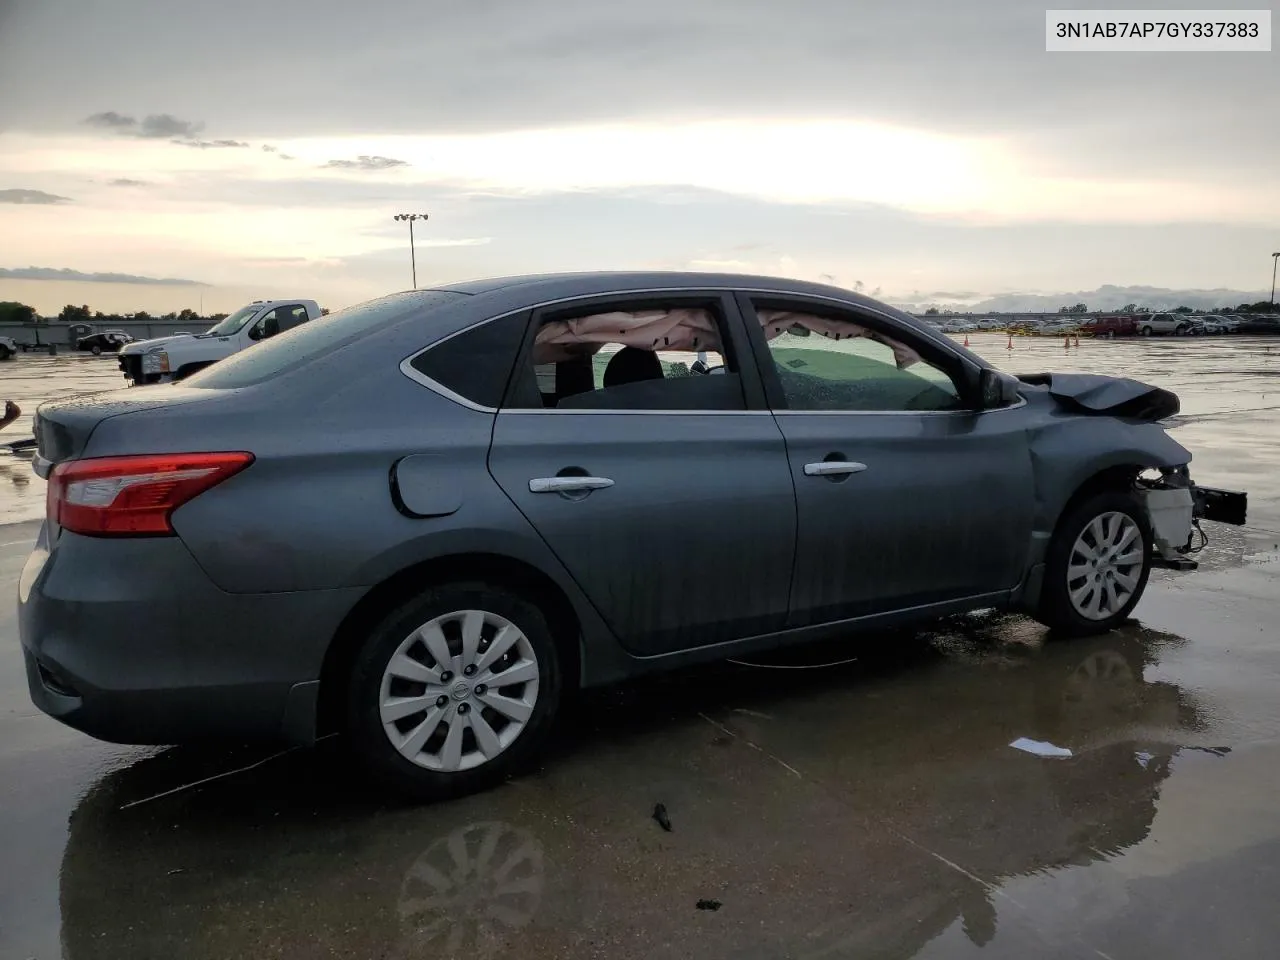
666, 498
905, 497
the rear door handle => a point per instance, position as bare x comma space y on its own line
568, 484
833, 468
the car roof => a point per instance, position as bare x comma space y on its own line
553, 285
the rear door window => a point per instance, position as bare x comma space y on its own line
656, 354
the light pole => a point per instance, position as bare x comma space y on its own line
413, 257
1275, 258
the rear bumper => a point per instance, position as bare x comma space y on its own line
129, 641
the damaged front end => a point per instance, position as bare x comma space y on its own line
1126, 425
1176, 505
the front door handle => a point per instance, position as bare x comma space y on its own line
833, 468
568, 484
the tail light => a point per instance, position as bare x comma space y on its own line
123, 496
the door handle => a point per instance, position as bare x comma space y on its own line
568, 484
833, 468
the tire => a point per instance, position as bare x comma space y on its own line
96, 350
1057, 609
1146, 331
427, 764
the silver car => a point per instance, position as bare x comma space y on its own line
422, 521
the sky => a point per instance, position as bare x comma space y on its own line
927, 150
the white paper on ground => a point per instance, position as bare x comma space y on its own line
1041, 749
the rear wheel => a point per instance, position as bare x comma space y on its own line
1097, 566
1146, 331
454, 692
96, 350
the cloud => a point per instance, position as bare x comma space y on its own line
268, 148
211, 144
65, 274
162, 126
155, 126
367, 163
31, 197
110, 120
126, 182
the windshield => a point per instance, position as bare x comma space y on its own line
233, 323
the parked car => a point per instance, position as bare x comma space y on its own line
1109, 327
7, 347
1163, 323
167, 359
1210, 326
424, 519
1056, 328
108, 341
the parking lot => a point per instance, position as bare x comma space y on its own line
869, 809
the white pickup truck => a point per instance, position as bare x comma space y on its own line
168, 359
7, 348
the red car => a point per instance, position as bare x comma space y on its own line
1109, 327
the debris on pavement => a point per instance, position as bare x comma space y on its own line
711, 905
660, 814
1041, 748
1143, 758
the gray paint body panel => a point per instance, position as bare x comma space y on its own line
691, 546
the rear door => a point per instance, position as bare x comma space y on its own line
905, 496
665, 493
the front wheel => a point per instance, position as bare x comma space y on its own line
96, 350
1146, 331
454, 692
1097, 566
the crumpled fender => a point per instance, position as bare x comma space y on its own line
1107, 396
1066, 452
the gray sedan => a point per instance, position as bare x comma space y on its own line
423, 520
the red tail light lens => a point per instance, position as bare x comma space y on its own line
124, 496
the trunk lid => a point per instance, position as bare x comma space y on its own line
63, 427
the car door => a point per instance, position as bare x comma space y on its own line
905, 496
665, 493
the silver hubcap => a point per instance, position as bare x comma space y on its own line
459, 690
1105, 565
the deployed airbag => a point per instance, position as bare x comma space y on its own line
1109, 396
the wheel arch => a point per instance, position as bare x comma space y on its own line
497, 570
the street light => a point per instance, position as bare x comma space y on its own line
413, 257
1275, 258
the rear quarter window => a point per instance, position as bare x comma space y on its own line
476, 364
314, 339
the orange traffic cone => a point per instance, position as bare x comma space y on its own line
1066, 342
966, 339
1010, 346
1077, 339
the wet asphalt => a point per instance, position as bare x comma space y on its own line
870, 809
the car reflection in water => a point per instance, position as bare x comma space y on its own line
908, 813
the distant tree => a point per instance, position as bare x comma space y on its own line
931, 312
188, 316
1143, 310
73, 314
216, 317
1182, 310
1129, 308
1078, 308
143, 317
13, 312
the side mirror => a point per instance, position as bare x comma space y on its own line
996, 390
255, 332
